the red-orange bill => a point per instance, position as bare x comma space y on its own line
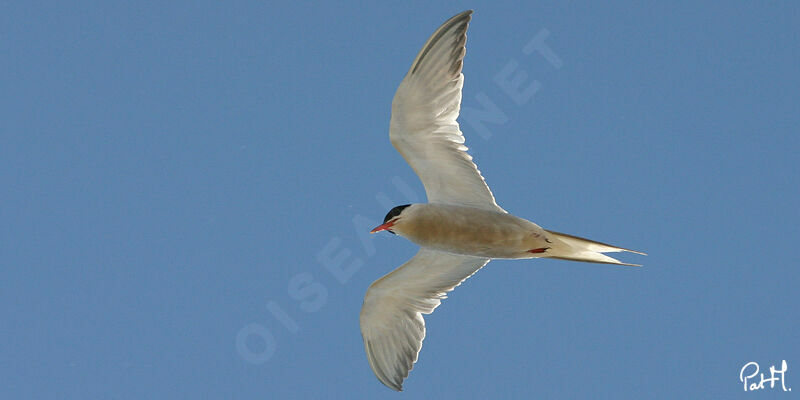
382, 227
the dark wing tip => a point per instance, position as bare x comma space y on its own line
457, 24
464, 14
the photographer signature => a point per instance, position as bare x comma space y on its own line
775, 375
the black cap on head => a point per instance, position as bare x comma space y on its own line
393, 213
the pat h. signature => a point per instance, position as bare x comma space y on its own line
750, 370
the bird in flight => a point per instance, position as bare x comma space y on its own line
461, 228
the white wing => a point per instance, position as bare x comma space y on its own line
424, 128
391, 317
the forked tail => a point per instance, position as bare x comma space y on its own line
568, 247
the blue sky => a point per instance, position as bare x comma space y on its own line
188, 188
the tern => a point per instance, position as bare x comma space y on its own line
461, 228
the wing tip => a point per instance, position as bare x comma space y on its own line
464, 14
463, 18
378, 369
467, 13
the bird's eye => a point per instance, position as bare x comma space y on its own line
394, 212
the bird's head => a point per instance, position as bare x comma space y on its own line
391, 220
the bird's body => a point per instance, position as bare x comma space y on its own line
461, 228
471, 231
